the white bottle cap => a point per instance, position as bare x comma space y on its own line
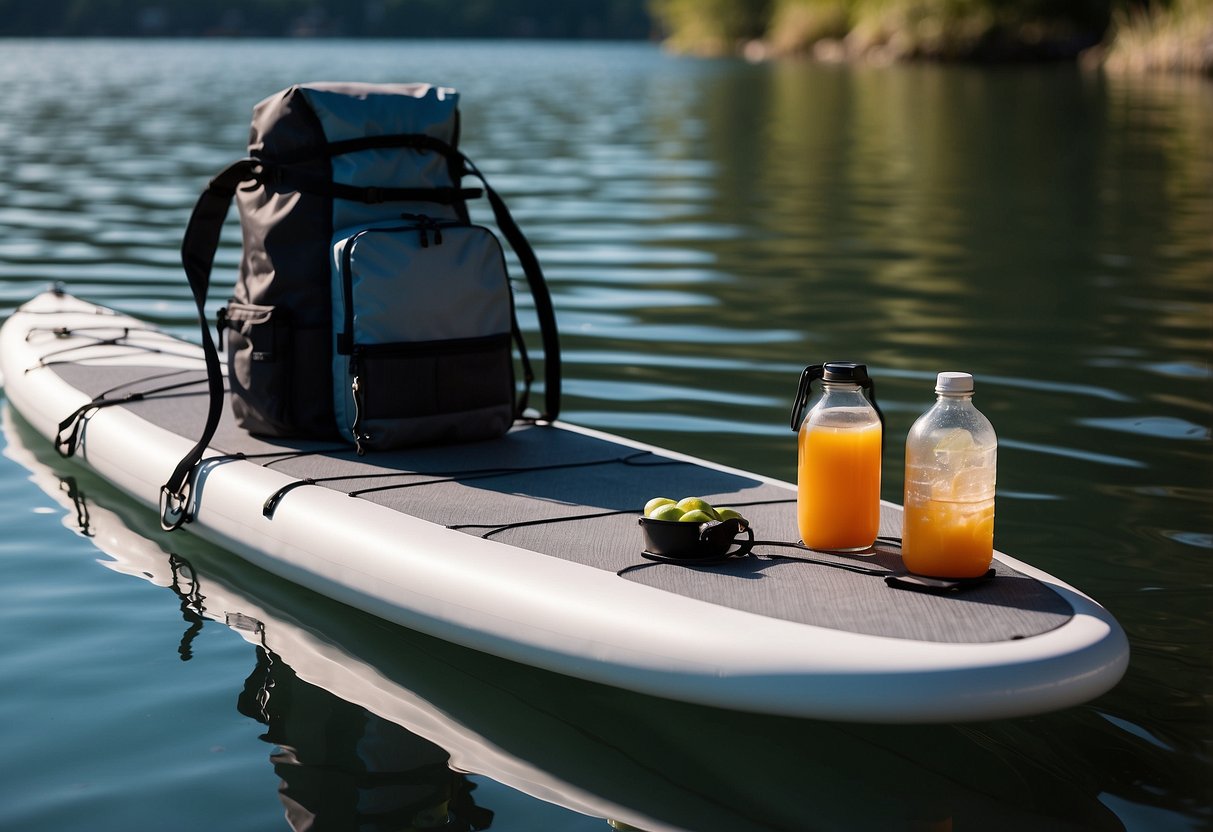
954, 383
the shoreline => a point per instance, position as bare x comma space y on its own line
1177, 39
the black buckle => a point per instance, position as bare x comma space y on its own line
173, 511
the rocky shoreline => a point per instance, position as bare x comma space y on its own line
1177, 38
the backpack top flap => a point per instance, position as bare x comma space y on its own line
297, 120
348, 134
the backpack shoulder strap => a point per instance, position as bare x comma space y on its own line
198, 256
539, 291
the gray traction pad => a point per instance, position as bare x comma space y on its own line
589, 505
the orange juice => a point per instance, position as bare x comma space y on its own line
948, 539
838, 475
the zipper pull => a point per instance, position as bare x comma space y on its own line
359, 406
356, 428
425, 224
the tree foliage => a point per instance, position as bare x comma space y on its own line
894, 29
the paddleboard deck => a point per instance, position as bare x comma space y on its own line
528, 547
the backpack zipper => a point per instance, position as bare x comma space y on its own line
423, 224
359, 402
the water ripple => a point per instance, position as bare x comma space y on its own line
1072, 453
615, 255
610, 298
1164, 427
669, 423
1200, 540
679, 361
653, 393
613, 275
625, 329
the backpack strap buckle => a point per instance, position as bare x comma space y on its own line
173, 511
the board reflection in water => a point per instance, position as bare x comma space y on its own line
339, 765
343, 767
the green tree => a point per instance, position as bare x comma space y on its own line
711, 27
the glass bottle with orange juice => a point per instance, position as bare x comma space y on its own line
951, 459
838, 458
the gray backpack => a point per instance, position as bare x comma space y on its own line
368, 307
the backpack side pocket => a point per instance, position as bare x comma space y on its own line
273, 365
275, 372
259, 372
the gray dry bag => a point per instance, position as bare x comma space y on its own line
368, 306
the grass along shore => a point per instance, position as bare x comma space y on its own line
1174, 39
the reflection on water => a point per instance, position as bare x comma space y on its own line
708, 228
340, 766
343, 767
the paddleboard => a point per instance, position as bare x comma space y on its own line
644, 762
528, 548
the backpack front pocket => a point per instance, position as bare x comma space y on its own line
424, 316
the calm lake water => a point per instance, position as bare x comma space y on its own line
708, 228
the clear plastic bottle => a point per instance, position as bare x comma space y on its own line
951, 459
838, 459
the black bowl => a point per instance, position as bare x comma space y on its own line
695, 541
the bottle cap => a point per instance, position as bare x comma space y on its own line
845, 371
954, 383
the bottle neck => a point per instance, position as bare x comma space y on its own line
953, 398
842, 395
